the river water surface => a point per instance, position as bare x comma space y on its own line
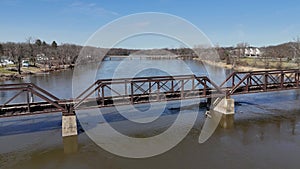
266, 132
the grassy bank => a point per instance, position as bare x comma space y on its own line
11, 73
6, 74
254, 64
268, 63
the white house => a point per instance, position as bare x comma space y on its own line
257, 52
252, 52
6, 62
247, 52
42, 58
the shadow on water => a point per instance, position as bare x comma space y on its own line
32, 124
29, 124
38, 123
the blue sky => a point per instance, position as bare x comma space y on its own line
226, 23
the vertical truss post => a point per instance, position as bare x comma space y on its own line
158, 90
193, 83
250, 76
102, 94
28, 99
233, 83
227, 94
98, 93
248, 83
265, 81
281, 79
126, 93
297, 74
31, 97
131, 89
204, 88
150, 87
182, 89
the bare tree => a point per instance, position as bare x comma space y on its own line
296, 50
241, 47
224, 55
1, 50
15, 52
266, 55
31, 50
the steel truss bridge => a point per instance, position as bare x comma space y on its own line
125, 91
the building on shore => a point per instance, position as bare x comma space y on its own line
252, 52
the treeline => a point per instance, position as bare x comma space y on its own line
290, 50
37, 51
41, 53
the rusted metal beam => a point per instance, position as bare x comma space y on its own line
12, 98
44, 91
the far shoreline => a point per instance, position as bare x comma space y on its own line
11, 74
230, 66
248, 64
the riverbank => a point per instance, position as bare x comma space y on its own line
230, 66
10, 72
252, 65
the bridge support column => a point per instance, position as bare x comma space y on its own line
69, 125
226, 108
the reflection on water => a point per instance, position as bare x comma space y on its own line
265, 134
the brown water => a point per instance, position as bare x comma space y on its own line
266, 134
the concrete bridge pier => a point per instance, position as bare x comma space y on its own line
69, 124
226, 108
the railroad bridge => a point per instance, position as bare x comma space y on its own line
125, 91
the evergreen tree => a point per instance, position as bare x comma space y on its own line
1, 50
44, 43
54, 45
38, 42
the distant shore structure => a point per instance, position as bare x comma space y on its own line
252, 52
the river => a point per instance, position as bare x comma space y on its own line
266, 132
